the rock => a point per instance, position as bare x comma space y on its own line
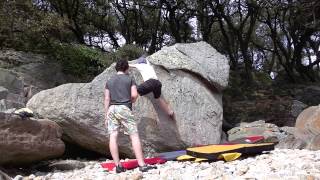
197, 58
27, 73
65, 165
314, 143
4, 176
31, 176
7, 104
290, 142
270, 131
3, 92
24, 141
192, 76
310, 95
297, 107
288, 130
18, 177
308, 127
11, 81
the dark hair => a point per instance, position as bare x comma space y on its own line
122, 65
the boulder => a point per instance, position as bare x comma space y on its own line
270, 131
7, 104
26, 73
282, 136
11, 81
192, 76
288, 140
308, 127
309, 95
4, 176
24, 141
3, 92
296, 108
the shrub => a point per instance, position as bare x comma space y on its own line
86, 62
79, 60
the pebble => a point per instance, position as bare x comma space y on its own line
278, 164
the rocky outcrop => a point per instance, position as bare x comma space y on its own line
24, 74
34, 70
308, 127
192, 75
25, 140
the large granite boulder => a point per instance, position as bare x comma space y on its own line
24, 141
308, 127
192, 75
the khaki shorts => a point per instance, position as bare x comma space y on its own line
120, 118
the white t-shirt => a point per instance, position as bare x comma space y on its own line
146, 70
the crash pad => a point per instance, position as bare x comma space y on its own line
247, 140
131, 164
226, 156
229, 156
169, 156
212, 152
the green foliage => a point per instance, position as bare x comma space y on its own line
128, 52
79, 60
279, 34
262, 78
86, 62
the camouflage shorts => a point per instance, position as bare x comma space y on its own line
121, 118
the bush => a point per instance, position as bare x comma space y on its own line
128, 52
79, 60
86, 62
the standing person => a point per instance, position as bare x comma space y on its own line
120, 93
151, 84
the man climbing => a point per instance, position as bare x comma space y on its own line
151, 84
120, 93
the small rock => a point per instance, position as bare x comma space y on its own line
67, 165
18, 177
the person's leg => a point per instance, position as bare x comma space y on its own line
137, 148
113, 126
113, 146
157, 88
165, 106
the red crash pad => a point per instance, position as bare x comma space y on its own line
131, 164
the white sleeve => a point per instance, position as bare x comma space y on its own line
138, 66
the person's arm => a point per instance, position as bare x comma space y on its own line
133, 65
134, 93
106, 102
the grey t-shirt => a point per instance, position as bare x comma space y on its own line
119, 86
